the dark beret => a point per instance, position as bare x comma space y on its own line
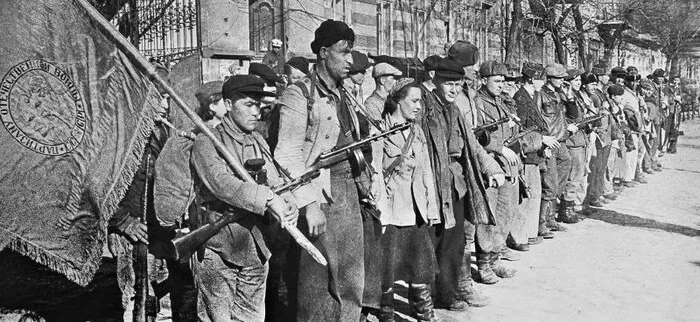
573, 73
360, 62
492, 68
449, 69
659, 73
245, 84
588, 78
618, 72
533, 70
431, 62
616, 90
299, 63
331, 32
464, 53
265, 72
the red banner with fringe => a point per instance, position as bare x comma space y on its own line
75, 115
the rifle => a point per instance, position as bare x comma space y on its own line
184, 246
145, 308
491, 125
513, 142
589, 119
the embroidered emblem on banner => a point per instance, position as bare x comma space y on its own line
41, 108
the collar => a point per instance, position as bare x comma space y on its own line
383, 94
325, 80
529, 89
487, 96
235, 132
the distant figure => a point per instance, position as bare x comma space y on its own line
275, 57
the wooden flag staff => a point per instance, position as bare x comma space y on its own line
133, 54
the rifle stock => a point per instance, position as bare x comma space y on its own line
588, 120
487, 126
184, 246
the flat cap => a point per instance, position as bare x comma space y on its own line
383, 69
573, 73
659, 73
299, 63
360, 62
431, 62
533, 70
646, 83
207, 89
492, 68
588, 78
330, 32
555, 70
464, 53
449, 69
245, 84
265, 72
616, 90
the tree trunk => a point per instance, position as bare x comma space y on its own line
559, 51
580, 38
514, 33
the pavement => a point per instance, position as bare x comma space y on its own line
636, 259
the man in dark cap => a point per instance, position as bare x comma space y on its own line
331, 213
674, 94
650, 163
555, 179
385, 77
239, 252
296, 70
356, 77
631, 108
458, 163
659, 80
529, 109
490, 240
430, 63
617, 75
577, 143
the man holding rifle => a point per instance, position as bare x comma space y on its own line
231, 270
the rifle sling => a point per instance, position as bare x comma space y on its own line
404, 151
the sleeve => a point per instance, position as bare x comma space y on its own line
218, 177
290, 150
428, 179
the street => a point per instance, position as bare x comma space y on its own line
637, 259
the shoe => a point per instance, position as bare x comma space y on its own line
649, 171
611, 196
641, 179
519, 247
456, 306
486, 273
545, 210
500, 270
629, 184
509, 255
472, 295
598, 203
567, 214
421, 302
536, 240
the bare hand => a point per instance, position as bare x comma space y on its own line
292, 203
497, 180
135, 230
282, 210
511, 157
547, 153
572, 128
550, 142
316, 220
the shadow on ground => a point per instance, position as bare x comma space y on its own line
617, 218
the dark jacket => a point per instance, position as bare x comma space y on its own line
553, 108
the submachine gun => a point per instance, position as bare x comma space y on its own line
588, 120
481, 132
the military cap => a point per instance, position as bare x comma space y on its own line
299, 63
330, 32
276, 43
383, 69
573, 73
533, 70
588, 78
360, 62
618, 72
646, 83
449, 69
659, 73
555, 70
431, 62
208, 89
245, 84
632, 74
464, 53
265, 72
512, 72
616, 90
492, 68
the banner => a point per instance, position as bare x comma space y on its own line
75, 118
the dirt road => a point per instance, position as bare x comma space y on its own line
638, 259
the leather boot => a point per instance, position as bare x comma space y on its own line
500, 270
552, 223
567, 213
421, 302
468, 292
542, 230
386, 308
486, 273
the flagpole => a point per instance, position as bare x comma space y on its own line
135, 56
